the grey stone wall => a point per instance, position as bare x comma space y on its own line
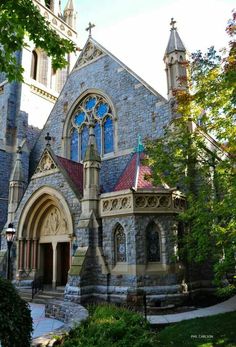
139, 110
5, 171
58, 182
135, 229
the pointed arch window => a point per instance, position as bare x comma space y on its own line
74, 145
172, 74
84, 141
182, 68
153, 243
34, 65
93, 109
120, 244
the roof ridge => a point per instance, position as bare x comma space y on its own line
142, 81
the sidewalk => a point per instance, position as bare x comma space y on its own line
45, 326
41, 324
226, 306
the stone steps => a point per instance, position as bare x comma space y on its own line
41, 297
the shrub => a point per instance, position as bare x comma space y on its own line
15, 318
109, 326
226, 292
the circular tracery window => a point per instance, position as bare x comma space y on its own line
93, 109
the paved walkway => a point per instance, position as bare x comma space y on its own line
226, 306
41, 324
45, 326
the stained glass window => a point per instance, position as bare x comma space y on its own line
74, 145
90, 103
79, 118
153, 243
84, 141
93, 109
97, 131
102, 110
120, 244
108, 136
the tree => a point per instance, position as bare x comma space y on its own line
204, 168
21, 19
15, 318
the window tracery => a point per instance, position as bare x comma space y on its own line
93, 109
120, 244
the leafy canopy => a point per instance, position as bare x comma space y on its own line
20, 20
202, 165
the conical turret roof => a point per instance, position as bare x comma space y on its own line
69, 5
175, 43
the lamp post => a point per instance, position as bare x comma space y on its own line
9, 233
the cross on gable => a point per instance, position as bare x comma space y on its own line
48, 139
172, 23
89, 28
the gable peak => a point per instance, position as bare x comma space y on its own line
90, 52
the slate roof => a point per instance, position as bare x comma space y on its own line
135, 174
74, 170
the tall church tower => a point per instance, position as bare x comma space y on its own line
175, 60
25, 107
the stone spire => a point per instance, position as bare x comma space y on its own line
175, 60
70, 14
92, 166
16, 186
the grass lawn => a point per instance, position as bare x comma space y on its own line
214, 331
110, 326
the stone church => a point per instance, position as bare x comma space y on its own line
86, 216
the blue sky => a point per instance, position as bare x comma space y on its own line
137, 31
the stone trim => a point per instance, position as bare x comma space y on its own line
89, 54
62, 27
43, 93
125, 202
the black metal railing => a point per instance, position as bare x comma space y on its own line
37, 285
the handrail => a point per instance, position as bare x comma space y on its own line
37, 285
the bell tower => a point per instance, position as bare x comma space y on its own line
70, 14
175, 60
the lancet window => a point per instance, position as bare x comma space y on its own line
93, 109
34, 65
120, 244
153, 243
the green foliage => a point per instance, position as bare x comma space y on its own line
212, 331
112, 326
226, 292
20, 20
204, 168
15, 318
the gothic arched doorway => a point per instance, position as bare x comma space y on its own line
44, 242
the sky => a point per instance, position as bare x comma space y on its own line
137, 31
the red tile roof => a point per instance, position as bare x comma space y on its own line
74, 171
135, 174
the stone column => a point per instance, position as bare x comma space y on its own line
35, 255
28, 254
21, 254
54, 271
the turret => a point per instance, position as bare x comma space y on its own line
16, 186
70, 14
175, 60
